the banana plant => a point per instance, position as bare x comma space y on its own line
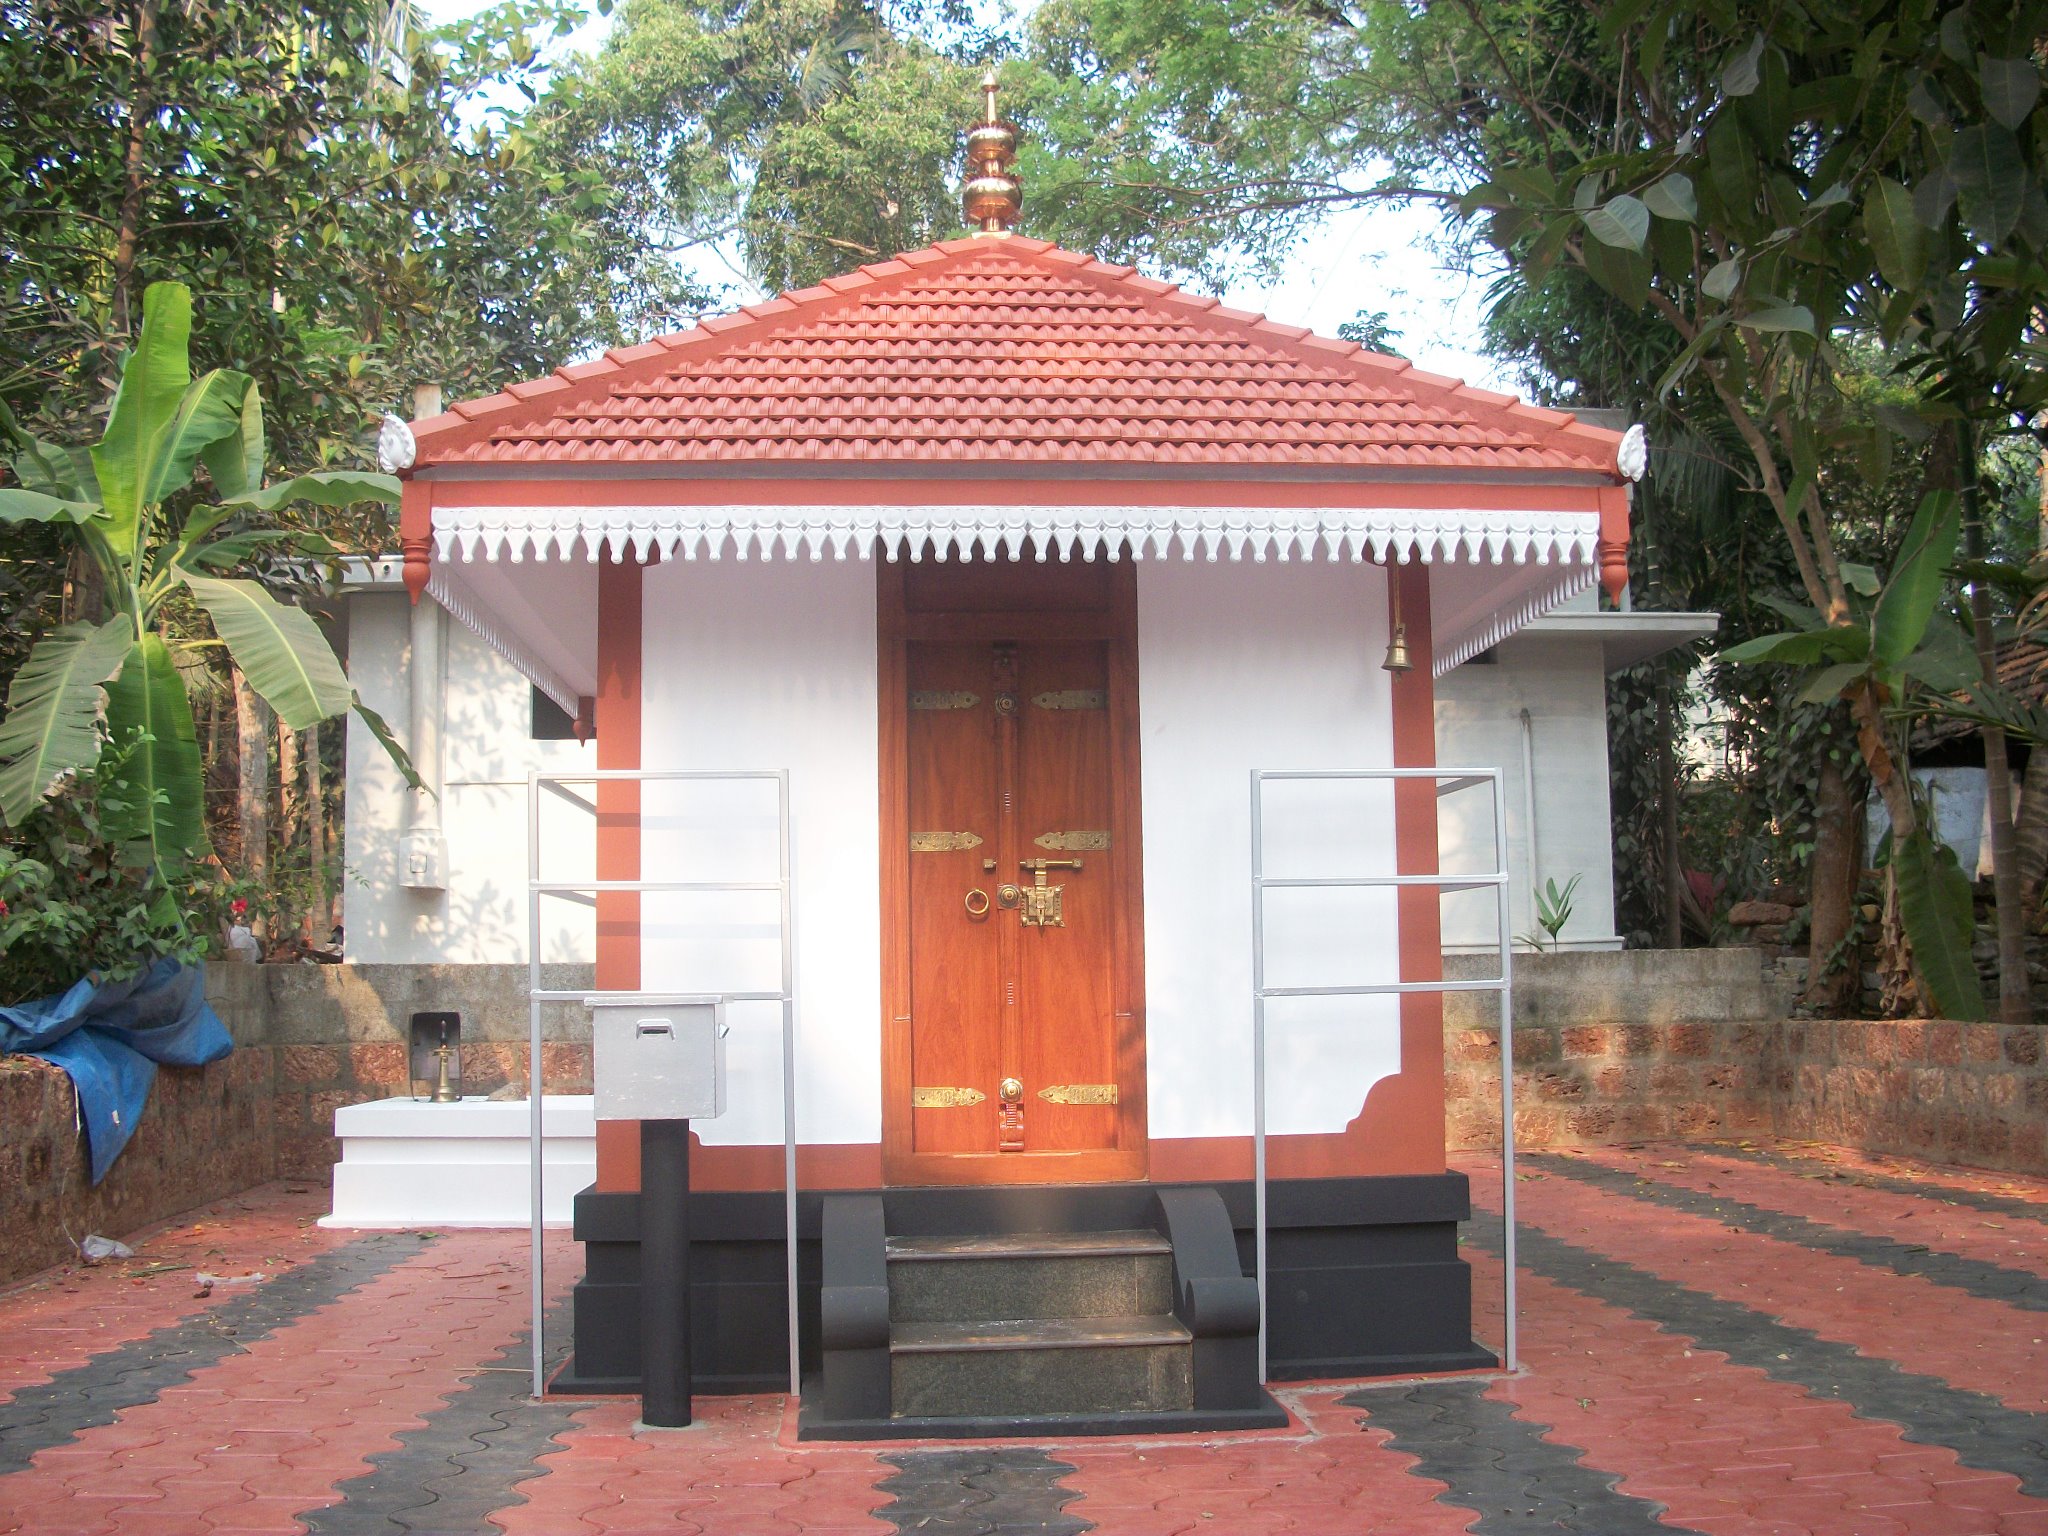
113, 676
1899, 645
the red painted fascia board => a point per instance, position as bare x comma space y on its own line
512, 490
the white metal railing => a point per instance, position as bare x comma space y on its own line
585, 892
1448, 781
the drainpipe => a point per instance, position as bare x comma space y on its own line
1529, 799
423, 849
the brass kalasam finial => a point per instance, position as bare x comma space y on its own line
992, 197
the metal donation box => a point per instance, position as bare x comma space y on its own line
657, 1057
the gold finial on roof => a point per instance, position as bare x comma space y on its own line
992, 196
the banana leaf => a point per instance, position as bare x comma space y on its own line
161, 818
280, 649
54, 708
1936, 907
153, 380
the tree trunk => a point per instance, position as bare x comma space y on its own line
1835, 873
290, 807
316, 837
141, 107
2014, 1005
2030, 835
1667, 814
1873, 740
85, 589
252, 800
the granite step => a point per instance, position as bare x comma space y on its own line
1141, 1363
1029, 1275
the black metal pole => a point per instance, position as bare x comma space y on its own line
665, 1273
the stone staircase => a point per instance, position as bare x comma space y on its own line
1089, 1327
1035, 1323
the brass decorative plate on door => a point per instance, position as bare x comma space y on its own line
945, 1098
942, 842
1073, 842
956, 698
1072, 698
1079, 1093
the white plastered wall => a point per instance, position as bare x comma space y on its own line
764, 666
1272, 666
1563, 685
487, 751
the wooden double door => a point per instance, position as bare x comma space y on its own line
1014, 1048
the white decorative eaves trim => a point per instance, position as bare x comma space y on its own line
1477, 536
447, 588
1455, 650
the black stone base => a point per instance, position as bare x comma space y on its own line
1363, 1275
813, 1425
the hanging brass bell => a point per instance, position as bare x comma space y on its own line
1397, 660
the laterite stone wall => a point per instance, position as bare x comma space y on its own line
339, 1034
1955, 1093
1650, 1045
1619, 1047
206, 1134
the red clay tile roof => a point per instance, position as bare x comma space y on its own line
1007, 351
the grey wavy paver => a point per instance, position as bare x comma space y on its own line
447, 1477
90, 1395
1976, 1277
1001, 1492
1982, 1431
1501, 1467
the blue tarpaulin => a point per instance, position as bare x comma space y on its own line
109, 1036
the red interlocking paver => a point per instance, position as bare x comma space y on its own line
1936, 1176
1333, 1476
262, 1436
1918, 1219
364, 1367
62, 1317
1969, 1341
1723, 1446
732, 1470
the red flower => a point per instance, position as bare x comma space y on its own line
3, 907
239, 907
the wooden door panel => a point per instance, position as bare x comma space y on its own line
955, 1001
973, 1000
1065, 998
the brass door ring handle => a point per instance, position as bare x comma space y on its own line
972, 909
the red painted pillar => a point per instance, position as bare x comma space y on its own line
620, 591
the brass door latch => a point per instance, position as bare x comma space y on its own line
1041, 902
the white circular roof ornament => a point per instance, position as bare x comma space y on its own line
1632, 458
395, 445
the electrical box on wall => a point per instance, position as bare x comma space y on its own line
657, 1056
423, 861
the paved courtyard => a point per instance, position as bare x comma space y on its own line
1741, 1339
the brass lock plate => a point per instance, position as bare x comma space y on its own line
1042, 906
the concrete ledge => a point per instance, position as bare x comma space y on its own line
405, 1163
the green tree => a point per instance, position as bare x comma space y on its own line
343, 188
805, 136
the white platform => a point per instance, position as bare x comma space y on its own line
409, 1164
